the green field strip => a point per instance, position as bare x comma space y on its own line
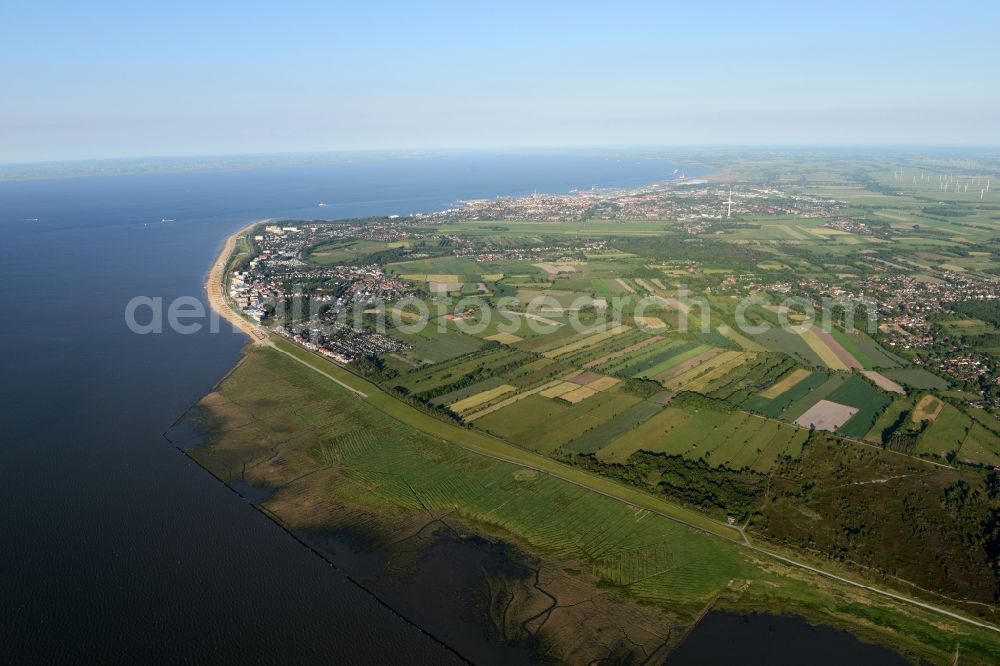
592, 441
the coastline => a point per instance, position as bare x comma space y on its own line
215, 287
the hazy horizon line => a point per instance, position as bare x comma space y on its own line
541, 148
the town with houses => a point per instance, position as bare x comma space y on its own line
687, 201
280, 277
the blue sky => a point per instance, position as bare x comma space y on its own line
103, 79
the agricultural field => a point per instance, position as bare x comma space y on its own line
741, 340
917, 378
588, 341
883, 382
446, 373
970, 436
895, 415
431, 346
699, 376
737, 439
758, 371
788, 395
541, 377
651, 361
504, 338
785, 384
980, 446
826, 415
546, 422
476, 400
680, 363
793, 344
946, 433
866, 399
597, 438
467, 391
833, 356
615, 354
927, 409
439, 269
851, 403
349, 250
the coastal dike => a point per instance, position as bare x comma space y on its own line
215, 287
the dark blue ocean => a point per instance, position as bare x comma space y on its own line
114, 545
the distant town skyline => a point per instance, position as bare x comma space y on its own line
88, 81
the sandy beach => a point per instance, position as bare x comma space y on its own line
215, 289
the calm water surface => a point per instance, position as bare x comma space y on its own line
776, 640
